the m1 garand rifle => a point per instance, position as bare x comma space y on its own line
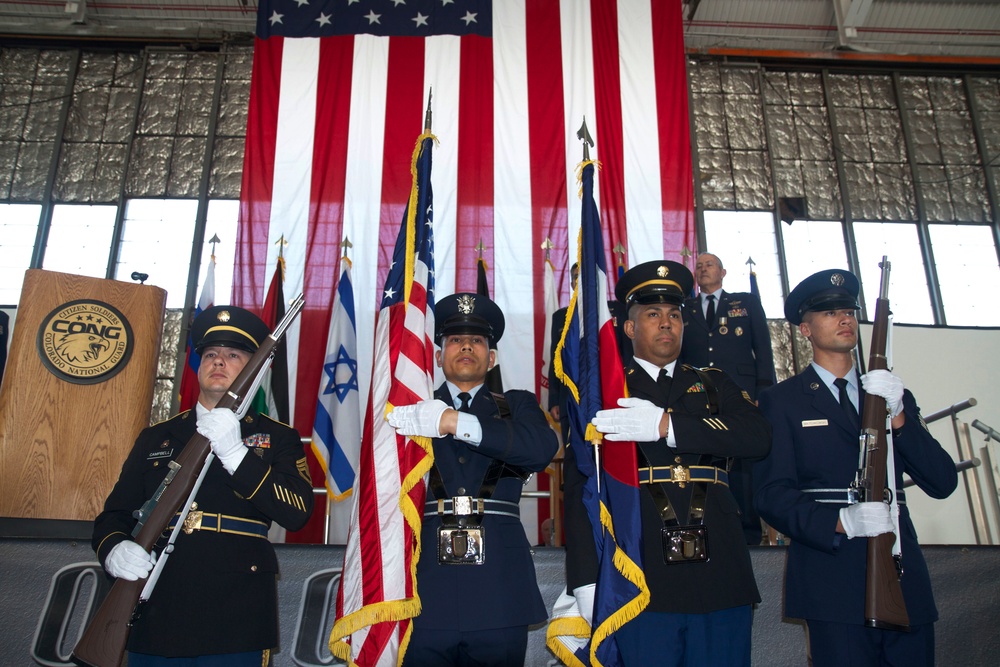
885, 607
104, 640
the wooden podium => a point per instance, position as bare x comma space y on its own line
77, 390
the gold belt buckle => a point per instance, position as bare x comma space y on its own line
193, 521
680, 474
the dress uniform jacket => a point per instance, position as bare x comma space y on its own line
217, 593
738, 430
502, 592
815, 446
743, 351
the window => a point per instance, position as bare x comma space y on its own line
223, 215
18, 228
157, 240
735, 237
811, 246
79, 239
908, 293
966, 262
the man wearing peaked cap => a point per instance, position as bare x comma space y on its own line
831, 289
477, 583
687, 424
228, 326
655, 282
802, 487
216, 598
468, 313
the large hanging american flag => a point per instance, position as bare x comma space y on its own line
337, 95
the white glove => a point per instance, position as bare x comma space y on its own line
423, 418
636, 420
127, 560
866, 519
585, 602
888, 386
222, 427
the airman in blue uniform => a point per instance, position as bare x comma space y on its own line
802, 487
737, 342
475, 577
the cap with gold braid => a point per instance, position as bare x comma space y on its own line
228, 326
660, 281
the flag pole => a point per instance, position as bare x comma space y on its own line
595, 437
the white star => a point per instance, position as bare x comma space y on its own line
372, 17
447, 2
301, 2
276, 18
351, 2
469, 17
397, 3
324, 19
420, 20
389, 293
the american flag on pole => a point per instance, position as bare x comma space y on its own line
190, 388
336, 436
337, 95
377, 595
590, 366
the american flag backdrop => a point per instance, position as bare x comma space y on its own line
338, 94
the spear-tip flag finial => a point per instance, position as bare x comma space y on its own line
281, 243
547, 246
583, 134
215, 239
346, 244
427, 116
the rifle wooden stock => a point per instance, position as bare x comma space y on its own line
884, 604
103, 642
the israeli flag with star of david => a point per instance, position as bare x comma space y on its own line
336, 437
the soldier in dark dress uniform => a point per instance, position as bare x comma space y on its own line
737, 342
475, 578
215, 602
687, 423
802, 487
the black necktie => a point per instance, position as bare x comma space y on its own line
663, 380
465, 397
710, 313
845, 402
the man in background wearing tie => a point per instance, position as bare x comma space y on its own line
728, 331
802, 487
475, 577
687, 424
